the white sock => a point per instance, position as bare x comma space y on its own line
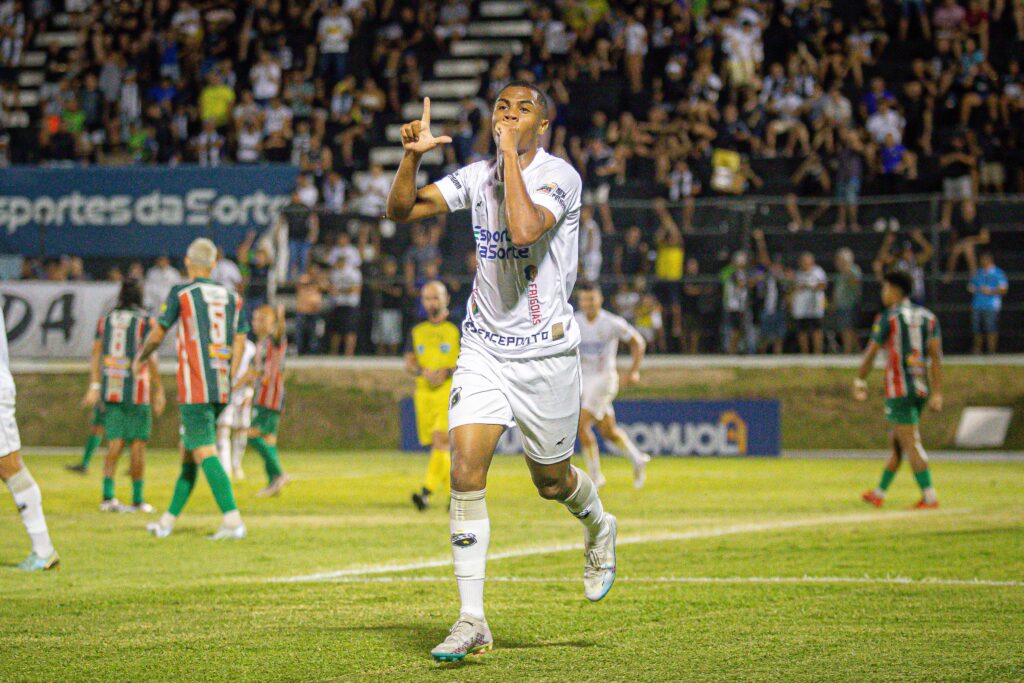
233, 519
628, 447
29, 500
929, 495
224, 447
239, 442
470, 536
584, 503
593, 457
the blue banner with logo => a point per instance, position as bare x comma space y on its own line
707, 428
136, 210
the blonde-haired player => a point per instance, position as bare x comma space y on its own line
431, 356
600, 334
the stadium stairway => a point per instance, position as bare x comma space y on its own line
499, 27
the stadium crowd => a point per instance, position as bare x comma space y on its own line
657, 99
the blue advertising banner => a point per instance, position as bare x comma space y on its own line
715, 428
136, 211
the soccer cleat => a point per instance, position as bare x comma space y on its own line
599, 560
228, 533
112, 505
872, 498
34, 563
77, 467
420, 500
239, 473
925, 505
640, 471
141, 507
158, 530
274, 487
469, 636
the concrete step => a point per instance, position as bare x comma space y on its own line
392, 156
439, 111
486, 48
453, 89
62, 38
30, 78
501, 29
28, 98
393, 133
502, 8
16, 119
460, 68
33, 59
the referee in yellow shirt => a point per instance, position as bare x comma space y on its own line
430, 355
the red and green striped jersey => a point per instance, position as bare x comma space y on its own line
904, 331
210, 316
121, 333
270, 363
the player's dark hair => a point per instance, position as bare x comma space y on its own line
588, 286
901, 280
542, 98
130, 295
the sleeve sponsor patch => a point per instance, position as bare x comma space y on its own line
554, 191
455, 181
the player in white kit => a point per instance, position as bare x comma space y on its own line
13, 472
519, 363
600, 334
233, 423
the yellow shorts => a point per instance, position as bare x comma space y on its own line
431, 412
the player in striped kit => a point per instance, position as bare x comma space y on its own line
233, 424
126, 396
910, 337
211, 339
267, 372
600, 334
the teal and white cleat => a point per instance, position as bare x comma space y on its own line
112, 505
640, 471
158, 530
469, 636
599, 560
34, 563
228, 533
141, 507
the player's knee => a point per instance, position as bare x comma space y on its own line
551, 488
465, 477
608, 431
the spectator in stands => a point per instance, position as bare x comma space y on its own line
959, 166
769, 298
846, 296
695, 298
970, 234
421, 254
159, 280
387, 311
683, 187
309, 302
226, 272
649, 321
809, 181
590, 246
333, 34
373, 192
630, 256
249, 144
307, 192
669, 255
334, 193
849, 176
808, 304
988, 285
906, 258
736, 284
215, 100
209, 145
303, 229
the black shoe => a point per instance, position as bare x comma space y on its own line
80, 468
420, 501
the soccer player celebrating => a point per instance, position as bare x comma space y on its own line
600, 334
233, 424
211, 338
268, 372
518, 364
430, 356
126, 396
24, 489
913, 377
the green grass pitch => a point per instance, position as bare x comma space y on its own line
728, 570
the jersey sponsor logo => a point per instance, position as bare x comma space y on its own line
728, 436
456, 395
496, 245
502, 340
583, 514
455, 181
556, 193
533, 294
463, 539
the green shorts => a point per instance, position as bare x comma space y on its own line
905, 410
199, 424
265, 421
129, 421
99, 415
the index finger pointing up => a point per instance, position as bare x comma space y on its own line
426, 112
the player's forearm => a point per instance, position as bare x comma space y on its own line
237, 351
637, 349
868, 362
94, 368
154, 375
935, 376
402, 196
151, 344
525, 220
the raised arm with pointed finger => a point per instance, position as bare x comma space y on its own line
406, 204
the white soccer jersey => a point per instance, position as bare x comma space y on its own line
240, 395
6, 380
520, 306
599, 342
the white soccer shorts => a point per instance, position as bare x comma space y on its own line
238, 413
10, 439
598, 393
539, 395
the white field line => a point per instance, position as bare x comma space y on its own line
714, 532
888, 580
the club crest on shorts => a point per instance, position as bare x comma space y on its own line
463, 539
456, 395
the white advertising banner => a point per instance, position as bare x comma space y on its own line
54, 319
